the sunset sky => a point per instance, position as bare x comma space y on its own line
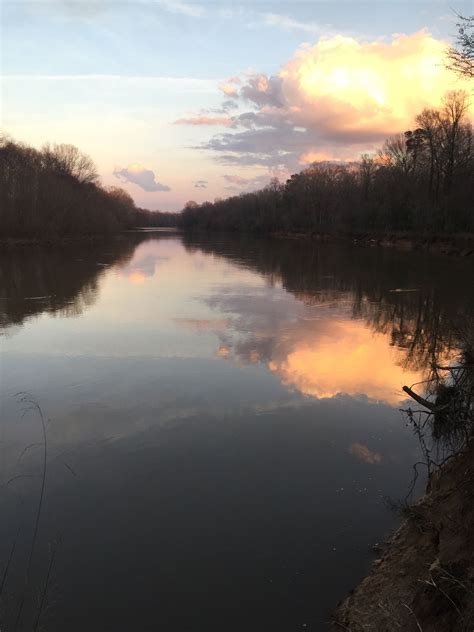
178, 100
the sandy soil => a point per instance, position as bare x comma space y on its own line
424, 581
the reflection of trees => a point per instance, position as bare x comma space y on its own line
424, 318
61, 279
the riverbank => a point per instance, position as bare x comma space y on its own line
81, 239
424, 580
459, 245
58, 241
456, 245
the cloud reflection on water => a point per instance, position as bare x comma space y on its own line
320, 355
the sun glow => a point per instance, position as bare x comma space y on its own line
136, 167
357, 88
136, 278
358, 85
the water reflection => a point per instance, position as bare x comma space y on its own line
222, 424
372, 317
61, 280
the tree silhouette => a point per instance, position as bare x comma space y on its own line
461, 56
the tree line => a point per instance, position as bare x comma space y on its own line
426, 323
55, 193
421, 180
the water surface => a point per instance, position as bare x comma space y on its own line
222, 421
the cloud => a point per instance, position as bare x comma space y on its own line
240, 184
202, 324
205, 120
263, 91
311, 343
182, 8
144, 178
236, 180
223, 352
290, 24
315, 156
336, 99
200, 184
229, 87
363, 453
90, 8
229, 105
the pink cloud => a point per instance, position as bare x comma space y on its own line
205, 120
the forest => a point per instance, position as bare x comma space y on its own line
420, 180
55, 193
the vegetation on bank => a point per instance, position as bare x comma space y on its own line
425, 578
422, 180
55, 193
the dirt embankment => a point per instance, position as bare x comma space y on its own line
424, 581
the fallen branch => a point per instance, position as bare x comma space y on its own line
420, 400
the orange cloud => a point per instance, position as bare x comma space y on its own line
223, 352
347, 359
229, 87
136, 278
363, 453
314, 156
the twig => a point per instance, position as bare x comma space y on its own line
34, 405
7, 567
416, 619
45, 589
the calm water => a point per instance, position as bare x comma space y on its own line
222, 425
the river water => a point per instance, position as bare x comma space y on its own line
222, 425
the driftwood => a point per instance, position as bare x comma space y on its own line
421, 400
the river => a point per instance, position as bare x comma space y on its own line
222, 425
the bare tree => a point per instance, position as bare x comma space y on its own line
455, 134
396, 154
68, 160
461, 56
367, 169
428, 124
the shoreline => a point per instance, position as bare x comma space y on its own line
82, 239
424, 579
455, 245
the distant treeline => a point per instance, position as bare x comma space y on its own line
144, 217
422, 180
55, 193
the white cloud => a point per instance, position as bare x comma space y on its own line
290, 24
183, 8
144, 178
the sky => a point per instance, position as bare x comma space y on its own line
178, 100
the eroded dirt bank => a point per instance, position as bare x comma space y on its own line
424, 580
